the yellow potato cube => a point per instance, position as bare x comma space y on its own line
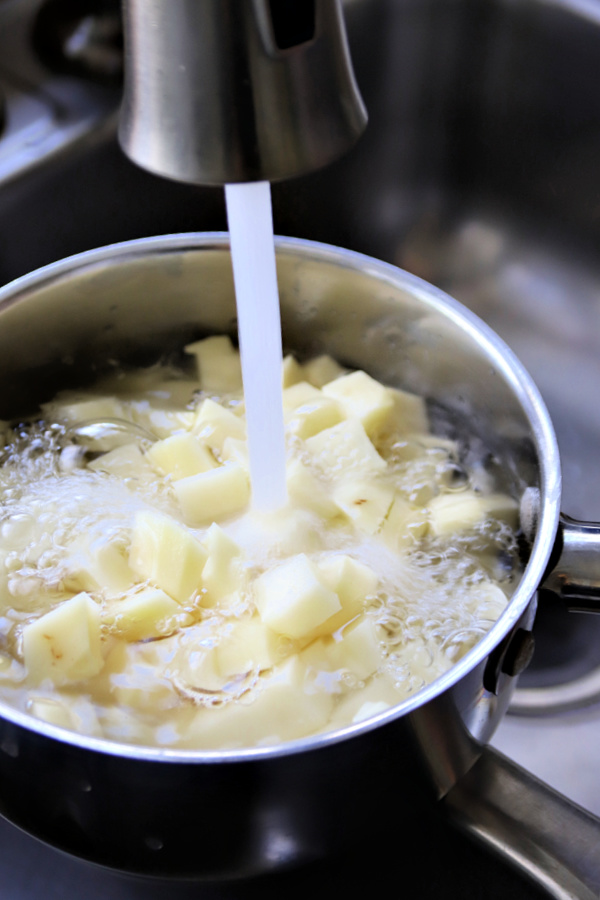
309, 491
377, 696
214, 423
344, 449
409, 414
321, 370
358, 649
353, 582
282, 711
72, 408
465, 509
221, 575
291, 598
219, 366
165, 553
247, 645
162, 423
365, 501
64, 644
298, 394
213, 495
404, 526
310, 418
126, 462
98, 565
363, 398
144, 614
181, 455
235, 450
291, 372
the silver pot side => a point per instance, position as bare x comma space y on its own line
141, 300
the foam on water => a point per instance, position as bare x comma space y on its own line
250, 221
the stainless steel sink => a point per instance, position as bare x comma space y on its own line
479, 171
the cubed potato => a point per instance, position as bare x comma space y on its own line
214, 423
378, 695
298, 394
181, 455
306, 489
161, 423
344, 449
281, 711
166, 554
74, 409
218, 362
310, 418
213, 495
291, 598
98, 564
321, 370
358, 648
404, 526
126, 462
291, 372
361, 397
145, 614
354, 583
64, 644
77, 714
235, 450
221, 574
248, 644
364, 500
409, 414
465, 509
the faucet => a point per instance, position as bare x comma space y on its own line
225, 91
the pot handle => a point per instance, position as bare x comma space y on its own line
574, 568
551, 840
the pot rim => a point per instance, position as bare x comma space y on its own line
504, 361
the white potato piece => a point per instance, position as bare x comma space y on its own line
165, 553
248, 644
281, 711
145, 614
354, 583
355, 649
64, 644
306, 489
218, 362
221, 575
291, 598
321, 370
181, 455
126, 462
99, 564
409, 414
365, 501
298, 394
404, 525
213, 495
291, 372
74, 408
314, 416
363, 398
214, 423
345, 449
464, 509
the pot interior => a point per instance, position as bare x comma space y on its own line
139, 302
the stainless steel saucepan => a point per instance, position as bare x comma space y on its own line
212, 814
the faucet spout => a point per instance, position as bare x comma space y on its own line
225, 91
